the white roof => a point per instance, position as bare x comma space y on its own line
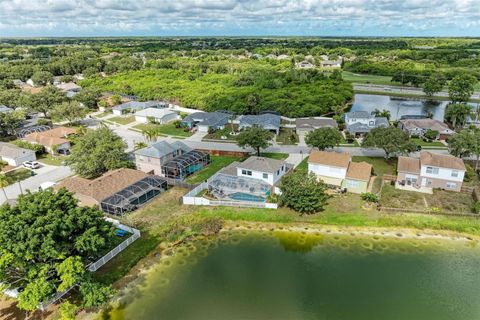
154, 112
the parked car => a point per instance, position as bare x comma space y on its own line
63, 152
31, 164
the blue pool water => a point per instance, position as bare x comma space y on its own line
246, 197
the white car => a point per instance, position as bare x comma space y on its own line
31, 164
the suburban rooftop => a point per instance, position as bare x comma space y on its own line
335, 159
262, 164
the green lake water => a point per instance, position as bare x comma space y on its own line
283, 275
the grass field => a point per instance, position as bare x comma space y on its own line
420, 142
367, 78
218, 162
122, 120
274, 155
380, 167
287, 136
51, 160
18, 175
168, 129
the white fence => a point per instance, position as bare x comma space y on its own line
192, 199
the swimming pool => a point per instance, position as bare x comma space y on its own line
240, 196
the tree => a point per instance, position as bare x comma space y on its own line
3, 184
94, 294
390, 139
433, 84
323, 138
97, 152
461, 88
253, 100
150, 133
466, 143
457, 114
9, 121
382, 113
116, 99
431, 134
140, 145
46, 240
303, 192
42, 78
254, 137
88, 97
45, 100
68, 311
70, 111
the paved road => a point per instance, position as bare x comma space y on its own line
386, 89
44, 174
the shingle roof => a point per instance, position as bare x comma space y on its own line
69, 86
162, 148
425, 124
155, 112
312, 123
266, 120
50, 137
262, 164
359, 171
103, 186
334, 159
358, 114
208, 118
441, 160
408, 164
139, 105
11, 151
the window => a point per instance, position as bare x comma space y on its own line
371, 123
432, 170
278, 172
352, 184
451, 185
265, 176
454, 173
246, 172
249, 173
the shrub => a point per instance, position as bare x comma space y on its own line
369, 197
38, 148
469, 173
476, 207
44, 122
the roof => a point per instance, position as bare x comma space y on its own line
362, 127
425, 123
139, 105
266, 120
215, 118
358, 114
8, 150
313, 123
381, 121
231, 169
4, 109
408, 164
262, 164
69, 86
103, 186
50, 137
161, 149
334, 159
155, 112
441, 160
359, 171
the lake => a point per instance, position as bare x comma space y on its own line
291, 275
399, 106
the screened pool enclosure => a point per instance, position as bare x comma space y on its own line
134, 195
186, 164
225, 186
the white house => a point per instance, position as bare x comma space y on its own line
160, 116
265, 169
361, 122
331, 167
14, 155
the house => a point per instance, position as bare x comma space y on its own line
361, 122
70, 88
160, 116
117, 191
151, 159
134, 106
331, 64
14, 155
204, 121
305, 65
305, 125
430, 171
5, 109
418, 127
54, 140
338, 170
267, 121
250, 180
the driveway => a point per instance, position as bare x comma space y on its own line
43, 174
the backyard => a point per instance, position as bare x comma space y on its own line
217, 163
287, 136
380, 167
168, 129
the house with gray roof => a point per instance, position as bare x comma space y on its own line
133, 106
151, 159
361, 122
203, 121
305, 125
267, 121
14, 155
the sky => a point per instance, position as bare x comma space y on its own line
45, 18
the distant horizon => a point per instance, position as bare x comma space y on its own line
238, 36
252, 18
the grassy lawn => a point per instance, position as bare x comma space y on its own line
122, 120
380, 167
104, 114
420, 142
303, 165
18, 175
51, 160
217, 135
352, 144
287, 136
218, 162
443, 200
168, 129
274, 155
367, 78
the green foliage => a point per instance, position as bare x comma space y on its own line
433, 84
45, 241
9, 121
68, 311
38, 148
116, 99
476, 207
70, 111
254, 137
97, 152
88, 97
323, 138
390, 139
302, 192
369, 197
42, 78
44, 122
431, 134
382, 113
95, 294
45, 100
461, 88
457, 114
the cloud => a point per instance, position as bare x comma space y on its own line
238, 17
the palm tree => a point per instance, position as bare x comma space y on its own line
3, 184
150, 134
140, 145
